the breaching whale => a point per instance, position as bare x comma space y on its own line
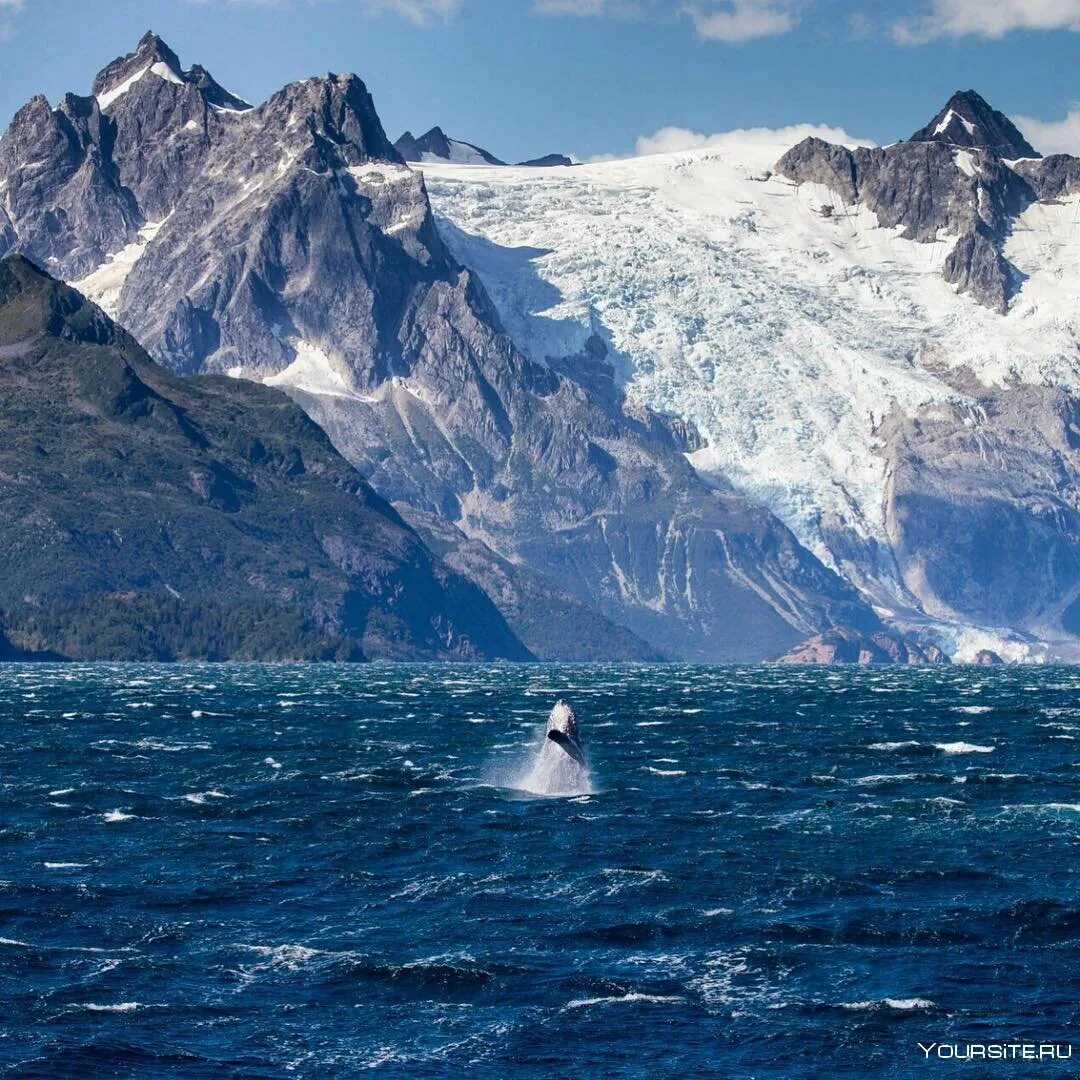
562, 730
559, 767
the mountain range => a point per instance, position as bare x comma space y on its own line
557, 476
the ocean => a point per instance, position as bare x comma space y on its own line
248, 871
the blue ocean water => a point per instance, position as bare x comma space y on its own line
259, 872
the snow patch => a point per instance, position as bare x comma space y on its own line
159, 68
947, 121
163, 71
107, 98
461, 153
312, 372
965, 162
105, 284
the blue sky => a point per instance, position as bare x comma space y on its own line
587, 77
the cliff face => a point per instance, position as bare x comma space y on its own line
983, 509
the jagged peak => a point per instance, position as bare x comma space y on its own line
968, 121
150, 50
153, 55
335, 106
436, 144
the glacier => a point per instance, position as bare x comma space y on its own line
783, 324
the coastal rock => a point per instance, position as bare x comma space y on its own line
844, 645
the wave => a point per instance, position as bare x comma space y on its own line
963, 748
199, 798
625, 999
899, 1004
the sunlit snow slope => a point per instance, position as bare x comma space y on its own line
779, 322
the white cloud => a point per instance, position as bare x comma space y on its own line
587, 8
7, 9
743, 20
420, 12
987, 19
670, 140
1053, 136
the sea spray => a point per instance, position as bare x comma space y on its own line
557, 765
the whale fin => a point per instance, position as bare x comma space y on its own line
568, 745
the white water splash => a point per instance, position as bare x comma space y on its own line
557, 766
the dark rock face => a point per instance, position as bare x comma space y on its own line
548, 161
150, 517
300, 248
967, 120
983, 509
843, 645
987, 658
958, 176
438, 145
1052, 177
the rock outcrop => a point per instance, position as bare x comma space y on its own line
983, 509
958, 177
844, 645
548, 161
436, 145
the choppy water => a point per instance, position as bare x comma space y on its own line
245, 871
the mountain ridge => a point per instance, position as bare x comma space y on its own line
152, 517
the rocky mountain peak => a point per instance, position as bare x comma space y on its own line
969, 121
152, 56
214, 93
151, 50
437, 145
337, 108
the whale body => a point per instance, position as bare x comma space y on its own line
559, 767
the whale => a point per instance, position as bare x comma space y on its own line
559, 766
562, 730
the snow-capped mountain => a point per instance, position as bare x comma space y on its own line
435, 147
800, 317
290, 243
968, 121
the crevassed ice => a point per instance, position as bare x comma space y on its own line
784, 333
